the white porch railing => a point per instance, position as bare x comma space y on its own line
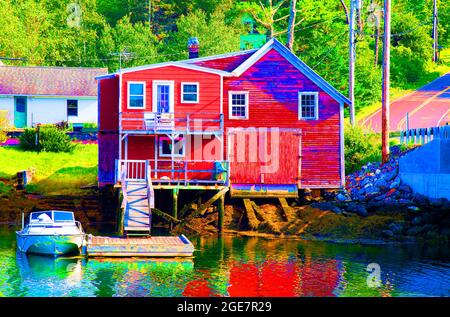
131, 170
168, 172
143, 122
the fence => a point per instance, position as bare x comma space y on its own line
424, 135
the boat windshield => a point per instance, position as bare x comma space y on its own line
63, 216
37, 217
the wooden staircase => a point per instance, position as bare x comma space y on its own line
137, 211
138, 201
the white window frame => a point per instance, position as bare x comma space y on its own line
160, 147
230, 104
130, 95
182, 92
316, 108
171, 84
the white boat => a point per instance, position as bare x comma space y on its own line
50, 232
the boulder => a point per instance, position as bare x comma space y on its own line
395, 183
417, 221
414, 209
358, 209
396, 227
326, 206
387, 233
342, 197
413, 231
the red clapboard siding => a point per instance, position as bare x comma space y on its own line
209, 89
277, 164
143, 148
273, 85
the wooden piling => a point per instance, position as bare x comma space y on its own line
221, 209
120, 218
174, 205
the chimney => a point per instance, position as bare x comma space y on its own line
193, 46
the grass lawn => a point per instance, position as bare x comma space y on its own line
56, 173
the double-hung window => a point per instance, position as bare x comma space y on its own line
308, 105
189, 92
238, 104
136, 95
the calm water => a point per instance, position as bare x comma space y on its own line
232, 266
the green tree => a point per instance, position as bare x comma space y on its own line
215, 34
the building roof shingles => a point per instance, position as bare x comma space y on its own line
49, 81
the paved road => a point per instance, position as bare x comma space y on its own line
427, 107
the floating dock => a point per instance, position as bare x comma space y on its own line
179, 246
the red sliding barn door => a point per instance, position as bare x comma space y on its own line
264, 156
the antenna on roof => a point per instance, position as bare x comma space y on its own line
124, 55
23, 59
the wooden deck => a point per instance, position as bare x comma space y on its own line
139, 247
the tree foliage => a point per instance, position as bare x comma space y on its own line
39, 31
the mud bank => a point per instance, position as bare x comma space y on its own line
310, 223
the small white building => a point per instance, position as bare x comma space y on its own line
33, 95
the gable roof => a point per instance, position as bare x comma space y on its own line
49, 81
296, 62
236, 63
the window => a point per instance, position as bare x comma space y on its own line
163, 96
60, 216
238, 105
72, 108
189, 92
165, 147
308, 104
136, 95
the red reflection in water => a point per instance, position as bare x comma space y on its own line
284, 279
199, 287
272, 279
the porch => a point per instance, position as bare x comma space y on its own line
174, 173
170, 122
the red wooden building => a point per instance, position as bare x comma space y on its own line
259, 122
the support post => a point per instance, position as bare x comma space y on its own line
385, 120
435, 33
174, 204
221, 208
352, 57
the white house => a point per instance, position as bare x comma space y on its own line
33, 95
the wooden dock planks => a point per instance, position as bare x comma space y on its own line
146, 247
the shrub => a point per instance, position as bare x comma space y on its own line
89, 125
361, 146
4, 125
50, 139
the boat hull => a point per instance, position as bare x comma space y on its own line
50, 244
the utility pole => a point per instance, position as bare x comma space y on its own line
150, 13
352, 59
435, 32
386, 82
125, 55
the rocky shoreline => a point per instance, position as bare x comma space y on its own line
377, 189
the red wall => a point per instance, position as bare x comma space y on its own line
273, 85
108, 137
209, 88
